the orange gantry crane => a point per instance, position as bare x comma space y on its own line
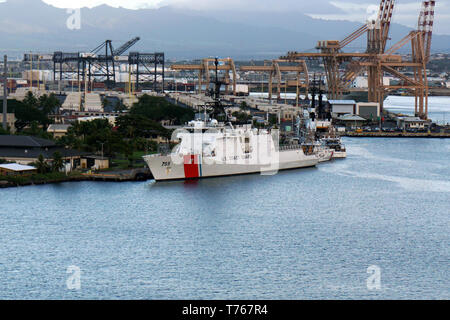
333, 57
420, 43
204, 72
276, 68
393, 64
376, 61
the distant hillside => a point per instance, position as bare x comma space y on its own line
33, 25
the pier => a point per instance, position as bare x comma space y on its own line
120, 176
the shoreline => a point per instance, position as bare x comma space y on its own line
121, 176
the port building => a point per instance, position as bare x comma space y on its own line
14, 169
26, 150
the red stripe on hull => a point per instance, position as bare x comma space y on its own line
191, 167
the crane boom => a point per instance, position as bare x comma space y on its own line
424, 29
377, 37
378, 33
385, 18
425, 25
355, 35
126, 46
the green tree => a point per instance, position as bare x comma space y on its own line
132, 126
90, 136
57, 163
244, 106
142, 144
128, 149
242, 117
34, 110
158, 108
36, 130
119, 106
30, 100
49, 104
42, 165
91, 131
3, 131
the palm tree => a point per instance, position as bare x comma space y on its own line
49, 104
30, 100
128, 150
57, 164
41, 165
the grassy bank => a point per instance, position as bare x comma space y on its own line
135, 161
53, 177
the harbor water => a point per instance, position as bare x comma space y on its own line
438, 107
302, 234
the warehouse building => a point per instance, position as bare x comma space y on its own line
369, 110
14, 169
342, 107
25, 150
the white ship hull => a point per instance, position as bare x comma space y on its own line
325, 154
164, 168
339, 154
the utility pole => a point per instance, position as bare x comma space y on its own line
31, 72
5, 93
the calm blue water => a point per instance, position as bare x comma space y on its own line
307, 234
438, 111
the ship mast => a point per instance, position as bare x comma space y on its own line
217, 104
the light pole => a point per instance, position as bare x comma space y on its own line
65, 160
102, 143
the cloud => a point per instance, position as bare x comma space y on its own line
405, 13
128, 4
250, 5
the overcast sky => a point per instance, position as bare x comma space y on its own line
406, 11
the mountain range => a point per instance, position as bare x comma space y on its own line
32, 25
